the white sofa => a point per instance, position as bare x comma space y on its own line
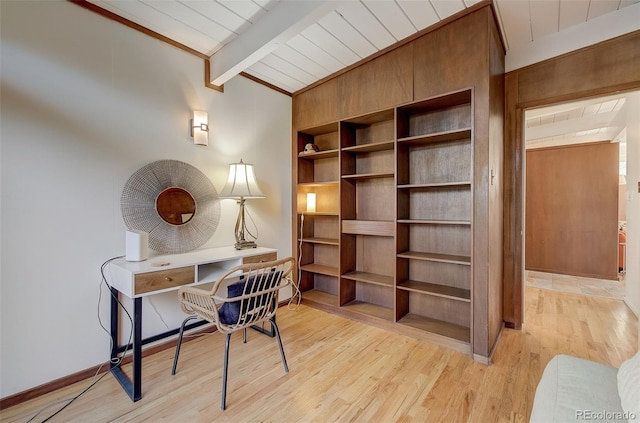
572, 390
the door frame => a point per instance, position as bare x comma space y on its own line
614, 66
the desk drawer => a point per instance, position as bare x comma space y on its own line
260, 258
163, 279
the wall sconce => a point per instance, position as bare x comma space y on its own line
242, 184
200, 127
311, 202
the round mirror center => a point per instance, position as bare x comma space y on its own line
175, 206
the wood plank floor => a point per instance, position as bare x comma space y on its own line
345, 371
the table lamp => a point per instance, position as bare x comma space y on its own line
241, 184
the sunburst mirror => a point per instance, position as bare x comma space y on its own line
174, 202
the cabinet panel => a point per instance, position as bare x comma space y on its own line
452, 57
380, 83
316, 105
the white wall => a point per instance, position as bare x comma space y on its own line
632, 297
85, 102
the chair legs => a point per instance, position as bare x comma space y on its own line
224, 372
175, 357
277, 331
225, 367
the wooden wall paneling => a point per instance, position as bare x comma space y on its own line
375, 254
326, 255
546, 83
373, 199
441, 162
441, 239
572, 210
347, 200
456, 312
496, 186
513, 207
453, 57
377, 131
402, 171
325, 283
603, 65
454, 203
326, 170
347, 164
441, 119
447, 274
327, 141
377, 295
378, 84
316, 106
326, 227
375, 162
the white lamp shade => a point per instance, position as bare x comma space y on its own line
200, 127
241, 182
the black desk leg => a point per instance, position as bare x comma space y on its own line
137, 349
133, 389
114, 327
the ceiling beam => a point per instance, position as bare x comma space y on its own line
280, 24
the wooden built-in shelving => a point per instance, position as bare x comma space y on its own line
409, 181
370, 278
398, 184
439, 327
434, 215
437, 290
444, 258
318, 172
320, 269
319, 240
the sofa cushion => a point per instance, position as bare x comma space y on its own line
629, 387
573, 389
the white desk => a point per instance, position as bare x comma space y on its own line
163, 274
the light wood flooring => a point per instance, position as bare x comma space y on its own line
345, 371
615, 289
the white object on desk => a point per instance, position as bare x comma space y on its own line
136, 246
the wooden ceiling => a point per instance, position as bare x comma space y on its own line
291, 44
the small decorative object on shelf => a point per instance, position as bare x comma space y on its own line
310, 148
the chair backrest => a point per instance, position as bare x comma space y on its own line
253, 296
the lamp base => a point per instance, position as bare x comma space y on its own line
241, 245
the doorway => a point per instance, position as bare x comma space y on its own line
575, 165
